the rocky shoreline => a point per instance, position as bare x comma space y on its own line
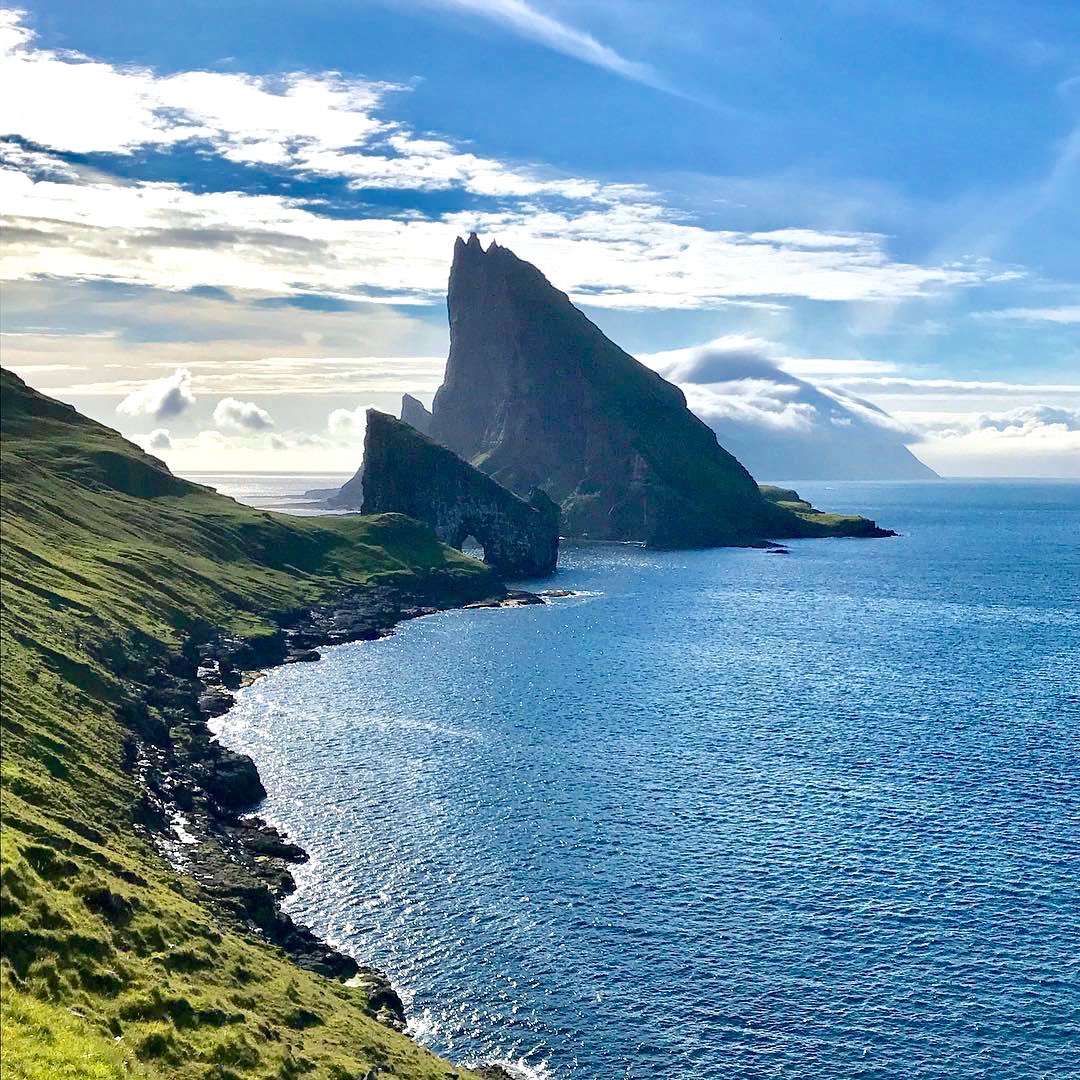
198, 796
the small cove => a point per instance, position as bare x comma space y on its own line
723, 812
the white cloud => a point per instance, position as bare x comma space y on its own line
525, 20
106, 108
211, 450
622, 256
825, 367
158, 439
723, 359
756, 402
348, 425
1065, 313
608, 245
1037, 440
908, 385
742, 379
233, 415
320, 123
162, 399
233, 347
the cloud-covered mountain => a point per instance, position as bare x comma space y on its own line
782, 427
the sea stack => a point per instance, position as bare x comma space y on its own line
405, 472
536, 396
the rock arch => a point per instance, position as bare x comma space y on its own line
407, 473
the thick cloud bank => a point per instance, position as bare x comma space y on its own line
1030, 440
781, 427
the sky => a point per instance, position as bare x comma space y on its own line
228, 226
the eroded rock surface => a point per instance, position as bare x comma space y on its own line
406, 472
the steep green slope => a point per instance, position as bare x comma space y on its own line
114, 964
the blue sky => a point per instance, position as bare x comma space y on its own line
255, 203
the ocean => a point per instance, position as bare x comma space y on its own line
721, 813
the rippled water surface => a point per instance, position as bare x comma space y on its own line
725, 813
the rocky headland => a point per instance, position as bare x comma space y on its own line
135, 603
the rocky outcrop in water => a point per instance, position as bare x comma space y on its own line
536, 396
405, 472
415, 415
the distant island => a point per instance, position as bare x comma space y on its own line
823, 434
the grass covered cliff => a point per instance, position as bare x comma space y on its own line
114, 964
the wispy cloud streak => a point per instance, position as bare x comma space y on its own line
526, 21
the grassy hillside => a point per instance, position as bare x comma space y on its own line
113, 964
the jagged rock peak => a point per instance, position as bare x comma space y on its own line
415, 414
536, 395
405, 472
471, 245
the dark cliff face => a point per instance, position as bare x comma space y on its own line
405, 472
414, 414
536, 396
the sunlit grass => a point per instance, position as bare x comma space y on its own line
113, 965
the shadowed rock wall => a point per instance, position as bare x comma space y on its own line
405, 472
536, 396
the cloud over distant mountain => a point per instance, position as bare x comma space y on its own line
782, 427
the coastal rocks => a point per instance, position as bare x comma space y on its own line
197, 794
231, 779
405, 472
215, 702
514, 598
385, 1004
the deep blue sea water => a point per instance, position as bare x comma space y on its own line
725, 813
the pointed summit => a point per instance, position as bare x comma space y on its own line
536, 395
414, 414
